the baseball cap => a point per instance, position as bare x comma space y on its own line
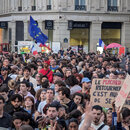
4, 68
58, 74
121, 72
85, 80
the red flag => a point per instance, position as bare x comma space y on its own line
105, 47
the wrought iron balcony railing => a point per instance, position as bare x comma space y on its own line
20, 8
48, 7
33, 8
113, 8
80, 7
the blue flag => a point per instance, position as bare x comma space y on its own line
36, 33
100, 42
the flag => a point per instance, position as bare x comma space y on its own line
41, 45
36, 33
34, 51
101, 44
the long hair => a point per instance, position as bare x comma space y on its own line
33, 106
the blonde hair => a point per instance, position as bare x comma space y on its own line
11, 84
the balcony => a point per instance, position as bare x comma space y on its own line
20, 8
80, 7
33, 8
113, 8
48, 7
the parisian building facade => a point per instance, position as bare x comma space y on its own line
76, 23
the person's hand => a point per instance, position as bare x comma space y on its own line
118, 114
88, 117
113, 106
53, 125
90, 128
43, 122
102, 118
118, 111
126, 127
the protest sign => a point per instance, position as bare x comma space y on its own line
122, 51
123, 93
104, 91
127, 102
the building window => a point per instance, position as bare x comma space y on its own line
111, 32
19, 31
20, 5
33, 5
112, 5
80, 5
49, 5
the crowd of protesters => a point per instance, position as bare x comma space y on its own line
52, 91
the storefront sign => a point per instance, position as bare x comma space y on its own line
4, 25
49, 24
104, 92
76, 24
112, 25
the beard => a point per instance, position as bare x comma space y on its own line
16, 107
96, 121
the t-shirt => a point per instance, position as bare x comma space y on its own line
71, 106
41, 106
106, 127
53, 68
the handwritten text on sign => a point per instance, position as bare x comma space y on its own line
124, 92
104, 91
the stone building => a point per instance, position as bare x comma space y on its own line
77, 23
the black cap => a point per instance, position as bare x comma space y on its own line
121, 72
58, 74
4, 68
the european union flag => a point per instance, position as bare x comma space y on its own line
36, 33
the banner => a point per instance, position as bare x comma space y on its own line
56, 46
104, 92
123, 93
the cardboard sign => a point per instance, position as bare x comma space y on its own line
127, 102
56, 46
104, 91
123, 93
122, 51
